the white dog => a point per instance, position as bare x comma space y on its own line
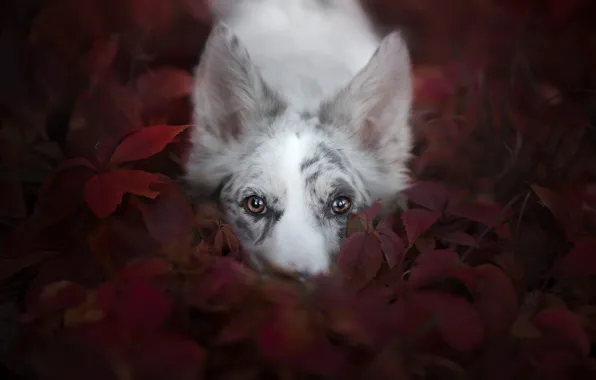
301, 116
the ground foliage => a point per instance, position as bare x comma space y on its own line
489, 274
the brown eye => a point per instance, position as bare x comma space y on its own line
255, 205
341, 205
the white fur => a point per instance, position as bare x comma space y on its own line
295, 240
317, 60
300, 51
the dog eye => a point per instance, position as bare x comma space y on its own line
255, 205
341, 205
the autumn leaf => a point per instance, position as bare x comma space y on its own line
495, 298
429, 194
564, 325
580, 260
288, 337
417, 222
159, 86
145, 142
152, 15
476, 212
459, 324
360, 258
169, 217
457, 237
240, 328
223, 283
104, 191
393, 248
433, 266
75, 162
167, 355
135, 307
111, 239
102, 55
391, 243
565, 202
145, 269
370, 213
63, 193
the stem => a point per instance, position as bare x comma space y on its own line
499, 216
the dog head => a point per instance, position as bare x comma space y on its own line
287, 179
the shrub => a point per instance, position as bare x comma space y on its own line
488, 274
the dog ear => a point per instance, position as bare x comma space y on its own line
229, 92
375, 105
229, 97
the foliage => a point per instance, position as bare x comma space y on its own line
488, 274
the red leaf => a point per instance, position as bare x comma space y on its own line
134, 306
152, 14
145, 143
460, 325
417, 222
429, 194
431, 267
580, 261
564, 325
145, 269
476, 212
392, 245
239, 328
74, 162
360, 258
223, 284
458, 237
370, 213
104, 191
393, 248
63, 193
101, 118
495, 299
289, 338
102, 55
169, 217
158, 87
167, 356
198, 10
116, 239
565, 203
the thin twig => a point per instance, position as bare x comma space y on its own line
499, 216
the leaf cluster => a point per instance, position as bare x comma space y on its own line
109, 272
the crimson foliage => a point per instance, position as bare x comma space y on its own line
488, 274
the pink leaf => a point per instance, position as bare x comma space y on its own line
580, 261
360, 258
429, 194
417, 222
104, 191
145, 143
476, 212
459, 323
431, 267
495, 299
563, 324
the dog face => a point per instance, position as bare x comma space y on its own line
288, 179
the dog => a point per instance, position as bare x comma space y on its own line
300, 117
